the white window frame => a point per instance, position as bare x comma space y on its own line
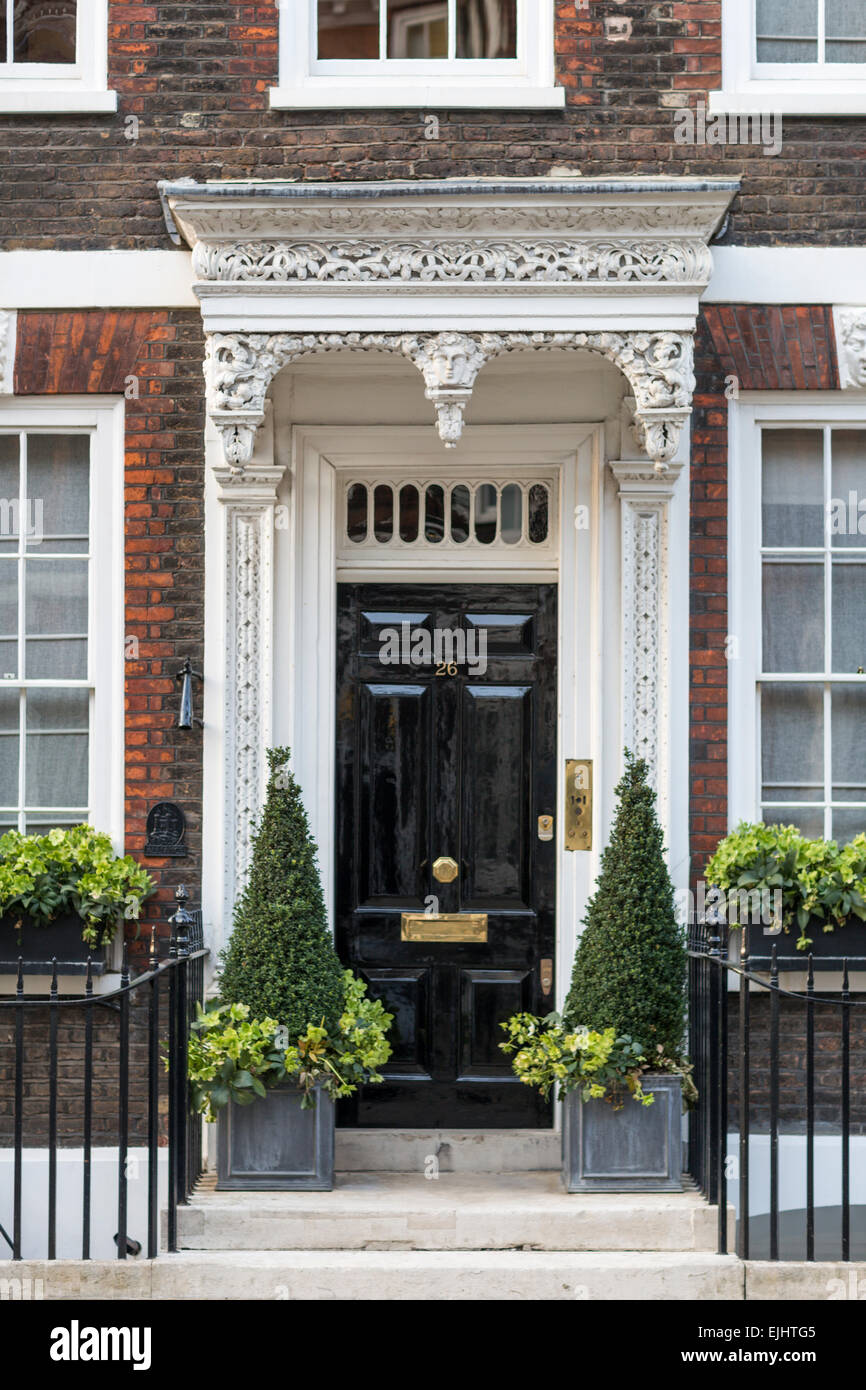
523, 82
749, 416
47, 88
103, 421
788, 89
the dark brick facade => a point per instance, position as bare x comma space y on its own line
196, 78
158, 356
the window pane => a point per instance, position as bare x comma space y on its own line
809, 823
849, 745
538, 513
417, 28
434, 513
57, 747
849, 618
792, 486
511, 504
348, 29
383, 513
9, 490
9, 596
56, 606
787, 31
460, 513
58, 491
45, 33
3, 36
793, 617
9, 741
848, 500
409, 508
847, 824
485, 514
845, 21
486, 28
792, 739
356, 513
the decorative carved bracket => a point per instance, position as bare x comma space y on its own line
658, 366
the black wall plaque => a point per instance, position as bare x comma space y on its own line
166, 828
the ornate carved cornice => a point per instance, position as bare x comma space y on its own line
658, 366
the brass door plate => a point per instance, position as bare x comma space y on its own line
545, 827
578, 804
445, 869
545, 970
443, 926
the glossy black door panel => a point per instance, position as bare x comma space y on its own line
444, 749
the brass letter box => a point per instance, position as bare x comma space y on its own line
443, 926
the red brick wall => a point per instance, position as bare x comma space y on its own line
99, 351
739, 348
196, 78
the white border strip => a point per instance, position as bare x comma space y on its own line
164, 279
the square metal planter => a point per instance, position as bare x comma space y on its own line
37, 944
273, 1145
635, 1149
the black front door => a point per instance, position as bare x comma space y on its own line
444, 769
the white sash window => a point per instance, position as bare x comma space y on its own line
53, 57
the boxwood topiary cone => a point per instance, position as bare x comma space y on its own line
280, 959
630, 967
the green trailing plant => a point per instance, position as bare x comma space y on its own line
235, 1058
817, 879
630, 966
70, 872
288, 1011
602, 1065
280, 960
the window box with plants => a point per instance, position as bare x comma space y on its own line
616, 1052
292, 1031
805, 896
63, 896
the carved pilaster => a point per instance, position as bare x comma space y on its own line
8, 327
248, 502
644, 510
850, 325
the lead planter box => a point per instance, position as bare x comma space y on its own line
274, 1145
635, 1149
37, 945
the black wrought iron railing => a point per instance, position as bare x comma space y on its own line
100, 1074
769, 1095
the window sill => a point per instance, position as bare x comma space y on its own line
49, 102
792, 99
322, 94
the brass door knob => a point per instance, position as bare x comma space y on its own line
445, 870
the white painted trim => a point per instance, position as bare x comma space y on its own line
82, 87
103, 418
164, 279
787, 275
746, 417
96, 279
525, 82
789, 89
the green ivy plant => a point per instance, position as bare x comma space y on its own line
817, 879
233, 1057
74, 871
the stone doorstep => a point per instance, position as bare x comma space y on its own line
391, 1276
456, 1212
455, 1151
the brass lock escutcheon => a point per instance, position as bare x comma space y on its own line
445, 869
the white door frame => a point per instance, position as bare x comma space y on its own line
305, 621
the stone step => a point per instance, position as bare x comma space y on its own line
454, 1151
457, 1211
445, 1275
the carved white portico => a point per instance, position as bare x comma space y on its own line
450, 276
